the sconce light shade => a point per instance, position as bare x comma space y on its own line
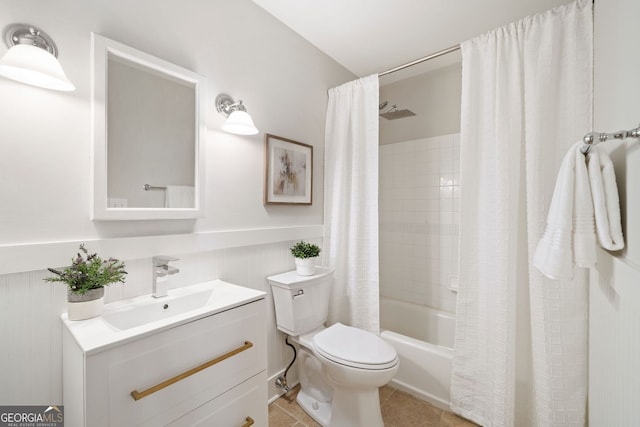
31, 59
238, 120
240, 123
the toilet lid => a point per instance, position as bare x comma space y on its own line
354, 347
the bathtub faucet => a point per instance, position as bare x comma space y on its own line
161, 268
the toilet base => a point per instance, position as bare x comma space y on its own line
319, 411
361, 408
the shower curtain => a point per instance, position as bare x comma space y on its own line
521, 339
351, 202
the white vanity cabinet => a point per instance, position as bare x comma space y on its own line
207, 371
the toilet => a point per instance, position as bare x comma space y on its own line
340, 367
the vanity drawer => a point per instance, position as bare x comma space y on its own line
177, 370
241, 406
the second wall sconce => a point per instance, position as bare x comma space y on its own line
238, 120
31, 58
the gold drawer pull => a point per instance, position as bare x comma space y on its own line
249, 422
137, 395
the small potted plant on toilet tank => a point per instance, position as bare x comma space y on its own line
86, 278
305, 255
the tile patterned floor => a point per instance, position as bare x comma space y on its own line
399, 409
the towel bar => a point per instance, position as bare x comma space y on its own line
594, 138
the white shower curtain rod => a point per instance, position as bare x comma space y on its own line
425, 58
420, 60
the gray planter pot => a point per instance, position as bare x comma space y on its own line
87, 296
86, 306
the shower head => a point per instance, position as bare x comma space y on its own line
393, 113
397, 114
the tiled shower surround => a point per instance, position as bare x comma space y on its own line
419, 209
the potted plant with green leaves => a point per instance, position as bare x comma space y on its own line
305, 255
86, 278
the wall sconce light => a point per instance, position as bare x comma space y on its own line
238, 120
31, 58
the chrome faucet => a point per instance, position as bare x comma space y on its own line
161, 268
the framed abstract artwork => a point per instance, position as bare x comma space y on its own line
289, 172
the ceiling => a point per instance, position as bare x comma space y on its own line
371, 36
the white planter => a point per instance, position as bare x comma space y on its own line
81, 307
305, 266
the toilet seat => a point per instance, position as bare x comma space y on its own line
355, 348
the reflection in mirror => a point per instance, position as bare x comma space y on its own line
148, 136
153, 145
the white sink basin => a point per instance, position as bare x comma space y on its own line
157, 309
134, 318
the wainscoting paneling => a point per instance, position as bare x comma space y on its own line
30, 326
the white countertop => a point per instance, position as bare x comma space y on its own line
97, 334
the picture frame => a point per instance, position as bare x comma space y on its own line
288, 172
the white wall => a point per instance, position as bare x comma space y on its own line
614, 318
44, 166
242, 51
433, 96
419, 218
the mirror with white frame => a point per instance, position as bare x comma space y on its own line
148, 136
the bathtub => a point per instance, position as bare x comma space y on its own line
423, 338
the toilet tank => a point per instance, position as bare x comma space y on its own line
301, 302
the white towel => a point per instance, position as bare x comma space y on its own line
569, 237
604, 192
180, 196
